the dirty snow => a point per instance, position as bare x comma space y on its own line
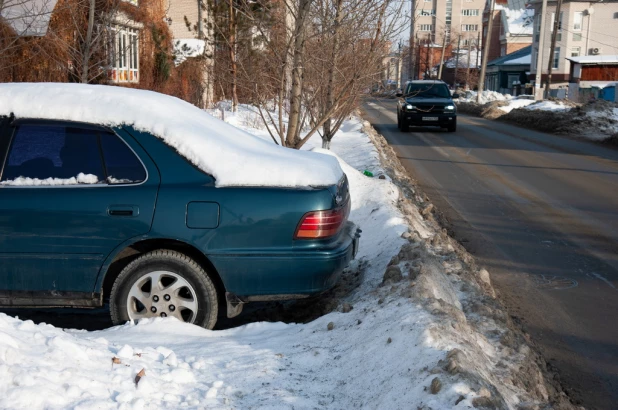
400, 337
534, 105
233, 157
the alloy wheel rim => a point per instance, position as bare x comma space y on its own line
162, 294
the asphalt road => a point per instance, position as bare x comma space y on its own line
541, 213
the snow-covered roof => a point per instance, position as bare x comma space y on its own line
187, 47
28, 17
232, 156
517, 19
521, 60
464, 61
603, 59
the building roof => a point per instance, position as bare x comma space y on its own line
28, 17
519, 57
603, 59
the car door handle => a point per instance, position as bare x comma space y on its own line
123, 210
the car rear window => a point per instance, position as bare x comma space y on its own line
56, 152
49, 154
121, 164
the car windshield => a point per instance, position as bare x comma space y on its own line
427, 91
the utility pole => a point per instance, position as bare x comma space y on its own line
412, 28
469, 58
427, 68
490, 24
478, 45
456, 63
554, 35
538, 80
442, 57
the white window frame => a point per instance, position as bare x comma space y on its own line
124, 54
578, 19
556, 58
470, 12
576, 51
425, 27
469, 27
553, 20
427, 12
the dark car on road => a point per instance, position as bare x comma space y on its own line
93, 211
426, 103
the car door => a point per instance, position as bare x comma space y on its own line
69, 194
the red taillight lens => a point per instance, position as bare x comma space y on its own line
322, 224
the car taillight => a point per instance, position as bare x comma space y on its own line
322, 224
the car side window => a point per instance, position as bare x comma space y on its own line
53, 155
121, 164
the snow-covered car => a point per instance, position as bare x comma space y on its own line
108, 193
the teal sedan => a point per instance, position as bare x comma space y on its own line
93, 212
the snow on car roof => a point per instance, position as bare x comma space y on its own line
232, 156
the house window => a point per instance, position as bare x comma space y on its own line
469, 41
577, 20
577, 36
427, 12
512, 79
425, 27
428, 1
576, 51
469, 27
537, 30
125, 55
553, 21
556, 57
470, 12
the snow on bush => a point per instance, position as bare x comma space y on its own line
233, 157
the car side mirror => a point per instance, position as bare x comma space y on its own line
399, 95
455, 95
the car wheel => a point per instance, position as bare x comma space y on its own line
398, 122
164, 283
404, 126
452, 127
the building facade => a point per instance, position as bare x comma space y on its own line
584, 29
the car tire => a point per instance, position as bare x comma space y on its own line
398, 121
404, 126
185, 290
452, 127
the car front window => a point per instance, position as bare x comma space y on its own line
428, 91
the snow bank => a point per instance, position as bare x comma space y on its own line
486, 96
233, 157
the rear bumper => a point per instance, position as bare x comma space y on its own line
272, 275
423, 119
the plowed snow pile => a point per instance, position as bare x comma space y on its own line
597, 120
422, 330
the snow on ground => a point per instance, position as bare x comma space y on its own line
534, 105
230, 155
404, 340
486, 96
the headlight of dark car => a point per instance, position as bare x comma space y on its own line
409, 107
449, 108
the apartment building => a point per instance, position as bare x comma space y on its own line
584, 29
440, 19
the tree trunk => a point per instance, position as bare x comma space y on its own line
327, 131
87, 45
294, 125
233, 68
